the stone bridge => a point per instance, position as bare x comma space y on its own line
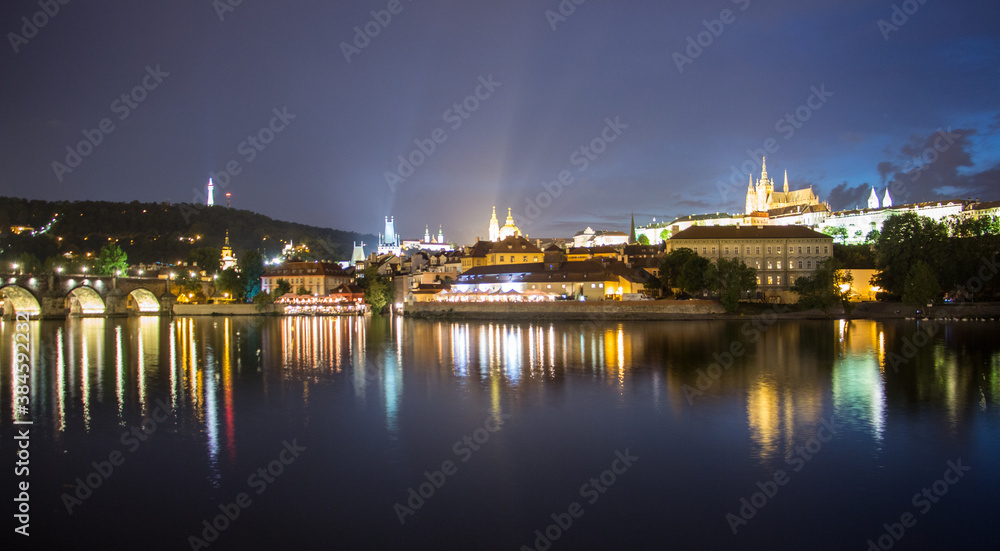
58, 296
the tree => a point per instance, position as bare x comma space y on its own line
112, 260
670, 266
921, 285
302, 290
825, 287
642, 239
230, 282
379, 290
251, 269
283, 288
27, 263
854, 256
904, 240
839, 233
692, 277
665, 234
207, 259
731, 278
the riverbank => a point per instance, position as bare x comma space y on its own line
680, 310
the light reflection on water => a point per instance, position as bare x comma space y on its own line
386, 386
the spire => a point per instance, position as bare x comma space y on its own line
873, 199
786, 183
631, 235
440, 234
887, 200
211, 193
427, 234
227, 231
763, 170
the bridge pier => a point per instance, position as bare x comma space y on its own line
53, 308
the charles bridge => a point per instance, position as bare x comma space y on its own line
55, 296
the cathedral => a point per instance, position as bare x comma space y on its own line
762, 197
498, 233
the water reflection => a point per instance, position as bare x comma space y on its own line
89, 373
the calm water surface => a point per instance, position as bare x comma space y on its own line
809, 435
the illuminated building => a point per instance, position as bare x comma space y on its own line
211, 193
508, 229
781, 254
228, 259
388, 241
494, 227
761, 196
319, 278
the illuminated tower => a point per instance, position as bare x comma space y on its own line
211, 193
427, 234
228, 257
887, 200
873, 199
389, 241
494, 227
441, 233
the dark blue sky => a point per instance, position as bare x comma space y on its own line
678, 135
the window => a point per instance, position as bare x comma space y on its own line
769, 250
809, 264
768, 264
536, 259
758, 280
779, 264
501, 258
704, 250
756, 250
770, 280
525, 259
713, 250
548, 286
779, 249
808, 251
593, 285
601, 285
800, 264
800, 250
826, 249
727, 249
748, 250
779, 280
758, 264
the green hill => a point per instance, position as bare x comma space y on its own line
156, 232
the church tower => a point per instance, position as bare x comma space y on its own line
887, 200
873, 199
211, 193
494, 227
786, 181
440, 235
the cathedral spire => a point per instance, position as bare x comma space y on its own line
786, 183
763, 170
631, 235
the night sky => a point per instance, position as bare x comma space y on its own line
670, 122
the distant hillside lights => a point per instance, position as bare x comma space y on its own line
123, 107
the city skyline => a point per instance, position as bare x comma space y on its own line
442, 111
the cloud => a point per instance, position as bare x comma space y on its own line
845, 196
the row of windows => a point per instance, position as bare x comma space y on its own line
523, 258
736, 250
777, 265
771, 280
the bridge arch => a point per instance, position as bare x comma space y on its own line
84, 301
17, 299
143, 301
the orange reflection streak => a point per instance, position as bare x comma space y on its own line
763, 416
60, 381
227, 385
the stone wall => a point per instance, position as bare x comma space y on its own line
226, 310
566, 310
